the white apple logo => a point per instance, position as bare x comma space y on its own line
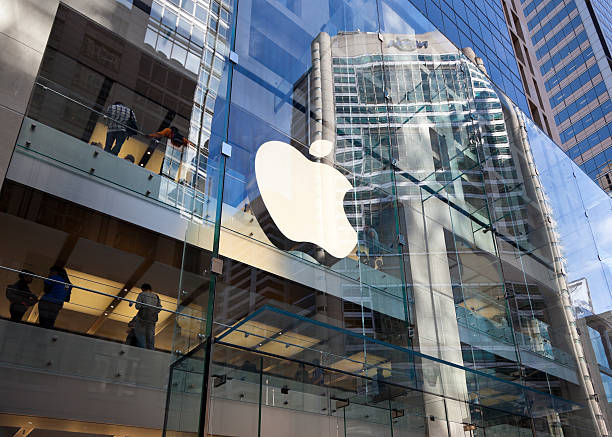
305, 198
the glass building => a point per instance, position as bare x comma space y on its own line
261, 217
571, 42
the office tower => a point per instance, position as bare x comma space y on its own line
570, 46
533, 84
351, 223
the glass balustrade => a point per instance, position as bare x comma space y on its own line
68, 130
97, 311
264, 394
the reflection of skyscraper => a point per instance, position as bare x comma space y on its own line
194, 37
420, 94
412, 119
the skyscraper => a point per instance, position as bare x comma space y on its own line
571, 50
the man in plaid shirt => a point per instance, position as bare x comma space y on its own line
118, 117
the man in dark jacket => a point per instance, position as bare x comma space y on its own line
56, 292
148, 306
20, 296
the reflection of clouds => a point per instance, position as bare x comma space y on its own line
366, 20
394, 23
602, 229
583, 237
583, 271
585, 264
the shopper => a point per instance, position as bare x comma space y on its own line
148, 306
380, 386
121, 122
20, 296
317, 374
174, 135
130, 340
56, 291
248, 366
301, 375
173, 153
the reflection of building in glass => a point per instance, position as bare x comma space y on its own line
412, 110
581, 297
193, 36
417, 95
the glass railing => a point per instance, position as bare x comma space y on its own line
98, 308
309, 365
282, 334
262, 392
502, 332
64, 128
83, 329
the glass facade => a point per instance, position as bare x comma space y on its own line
351, 229
604, 20
480, 24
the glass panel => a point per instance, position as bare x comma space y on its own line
184, 397
236, 392
385, 238
81, 108
580, 210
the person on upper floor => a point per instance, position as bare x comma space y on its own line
148, 306
57, 289
121, 124
20, 296
174, 135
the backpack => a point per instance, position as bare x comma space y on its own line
132, 126
176, 136
17, 296
147, 313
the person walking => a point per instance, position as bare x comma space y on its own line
121, 122
20, 296
57, 289
143, 324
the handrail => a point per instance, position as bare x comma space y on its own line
101, 114
395, 384
132, 301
